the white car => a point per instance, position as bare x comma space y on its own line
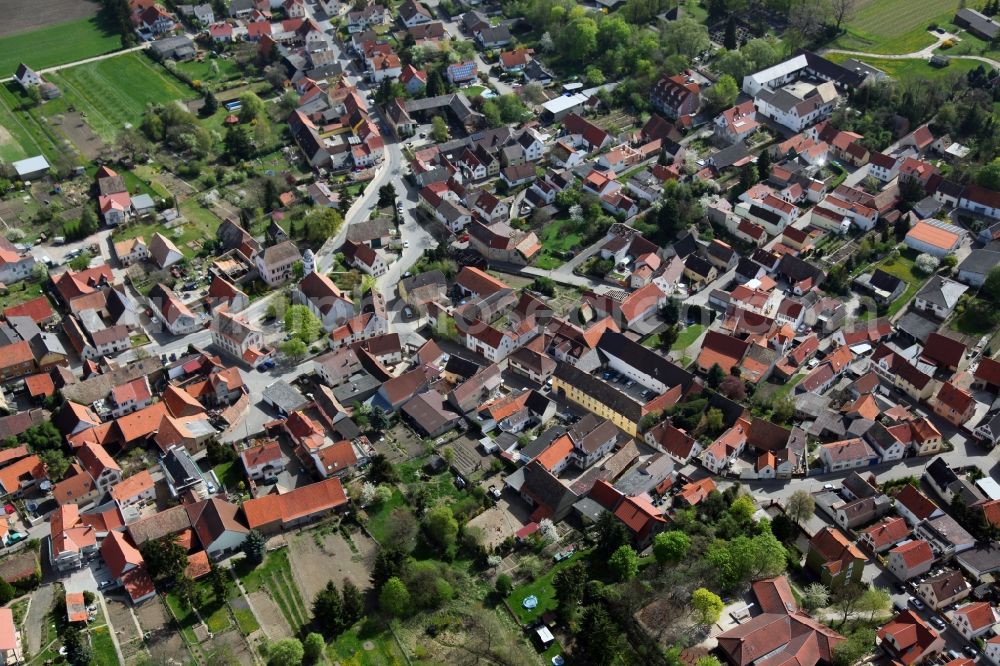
406, 244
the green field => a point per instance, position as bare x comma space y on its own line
911, 69
894, 26
57, 45
27, 132
903, 267
542, 589
115, 92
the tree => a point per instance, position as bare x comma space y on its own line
394, 599
218, 578
166, 560
301, 323
729, 39
439, 129
842, 11
723, 94
312, 648
388, 563
380, 470
294, 349
254, 547
991, 286
874, 600
569, 583
707, 606
77, 644
742, 509
219, 453
81, 262
624, 563
846, 598
782, 409
852, 651
401, 530
800, 507
708, 660
354, 603
7, 591
251, 108
610, 535
386, 196
210, 106
321, 223
56, 464
685, 37
504, 585
782, 528
715, 375
328, 611
441, 529
577, 41
714, 421
671, 547
814, 597
671, 312
733, 388
599, 640
668, 337
286, 652
764, 165
238, 143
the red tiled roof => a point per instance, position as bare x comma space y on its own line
914, 553
305, 501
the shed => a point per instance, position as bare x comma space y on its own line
545, 636
31, 168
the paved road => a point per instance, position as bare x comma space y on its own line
38, 608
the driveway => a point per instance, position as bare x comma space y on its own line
38, 609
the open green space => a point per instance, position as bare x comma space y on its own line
543, 589
911, 69
687, 337
246, 621
378, 519
275, 577
58, 44
114, 92
201, 224
556, 240
20, 292
893, 26
211, 72
28, 128
903, 267
349, 648
103, 646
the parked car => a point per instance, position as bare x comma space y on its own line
938, 622
916, 603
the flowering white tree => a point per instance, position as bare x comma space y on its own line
548, 531
926, 263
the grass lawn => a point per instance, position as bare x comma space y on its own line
974, 320
349, 648
555, 241
115, 92
20, 292
28, 129
903, 268
474, 91
687, 336
787, 387
230, 474
245, 621
148, 176
212, 73
58, 44
201, 223
275, 577
186, 618
893, 26
543, 589
104, 648
378, 520
911, 69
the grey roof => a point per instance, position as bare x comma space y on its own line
600, 391
978, 21
180, 468
282, 395
980, 261
939, 471
942, 292
916, 326
656, 366
542, 442
589, 509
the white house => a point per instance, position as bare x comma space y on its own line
974, 619
275, 263
318, 293
233, 334
214, 521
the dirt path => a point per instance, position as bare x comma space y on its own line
47, 70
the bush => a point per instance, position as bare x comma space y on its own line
504, 585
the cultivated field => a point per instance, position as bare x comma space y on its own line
25, 15
54, 44
894, 26
114, 92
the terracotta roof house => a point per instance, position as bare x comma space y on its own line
907, 639
974, 619
216, 524
272, 513
834, 559
884, 534
780, 635
642, 519
910, 559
